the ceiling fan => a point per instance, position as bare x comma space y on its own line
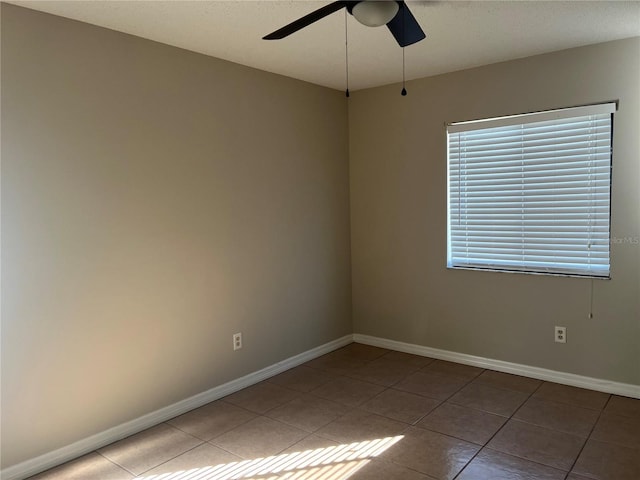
372, 13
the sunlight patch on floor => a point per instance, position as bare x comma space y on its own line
329, 463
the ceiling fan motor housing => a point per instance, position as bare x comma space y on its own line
374, 13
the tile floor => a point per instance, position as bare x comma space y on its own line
366, 413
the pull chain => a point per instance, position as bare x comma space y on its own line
591, 300
346, 52
404, 90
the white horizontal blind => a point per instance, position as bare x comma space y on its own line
531, 192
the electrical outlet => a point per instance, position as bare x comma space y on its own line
237, 341
561, 334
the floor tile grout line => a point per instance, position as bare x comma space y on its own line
360, 405
270, 380
426, 475
111, 461
202, 442
380, 384
439, 374
415, 424
136, 475
556, 402
465, 377
532, 397
303, 429
498, 431
499, 387
533, 461
418, 369
527, 399
573, 465
467, 382
563, 404
453, 436
425, 396
566, 472
442, 401
255, 415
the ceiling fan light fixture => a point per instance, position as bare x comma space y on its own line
374, 13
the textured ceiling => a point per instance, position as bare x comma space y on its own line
460, 34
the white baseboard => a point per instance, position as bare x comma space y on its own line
624, 389
94, 442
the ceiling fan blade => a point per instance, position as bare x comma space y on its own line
306, 20
404, 27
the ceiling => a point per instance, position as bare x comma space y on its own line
460, 34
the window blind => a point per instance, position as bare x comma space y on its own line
532, 192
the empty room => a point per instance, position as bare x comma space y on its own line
352, 240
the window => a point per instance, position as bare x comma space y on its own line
531, 193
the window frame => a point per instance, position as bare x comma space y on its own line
603, 271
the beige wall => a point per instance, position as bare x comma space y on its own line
154, 202
401, 288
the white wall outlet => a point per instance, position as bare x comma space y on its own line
237, 341
560, 334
